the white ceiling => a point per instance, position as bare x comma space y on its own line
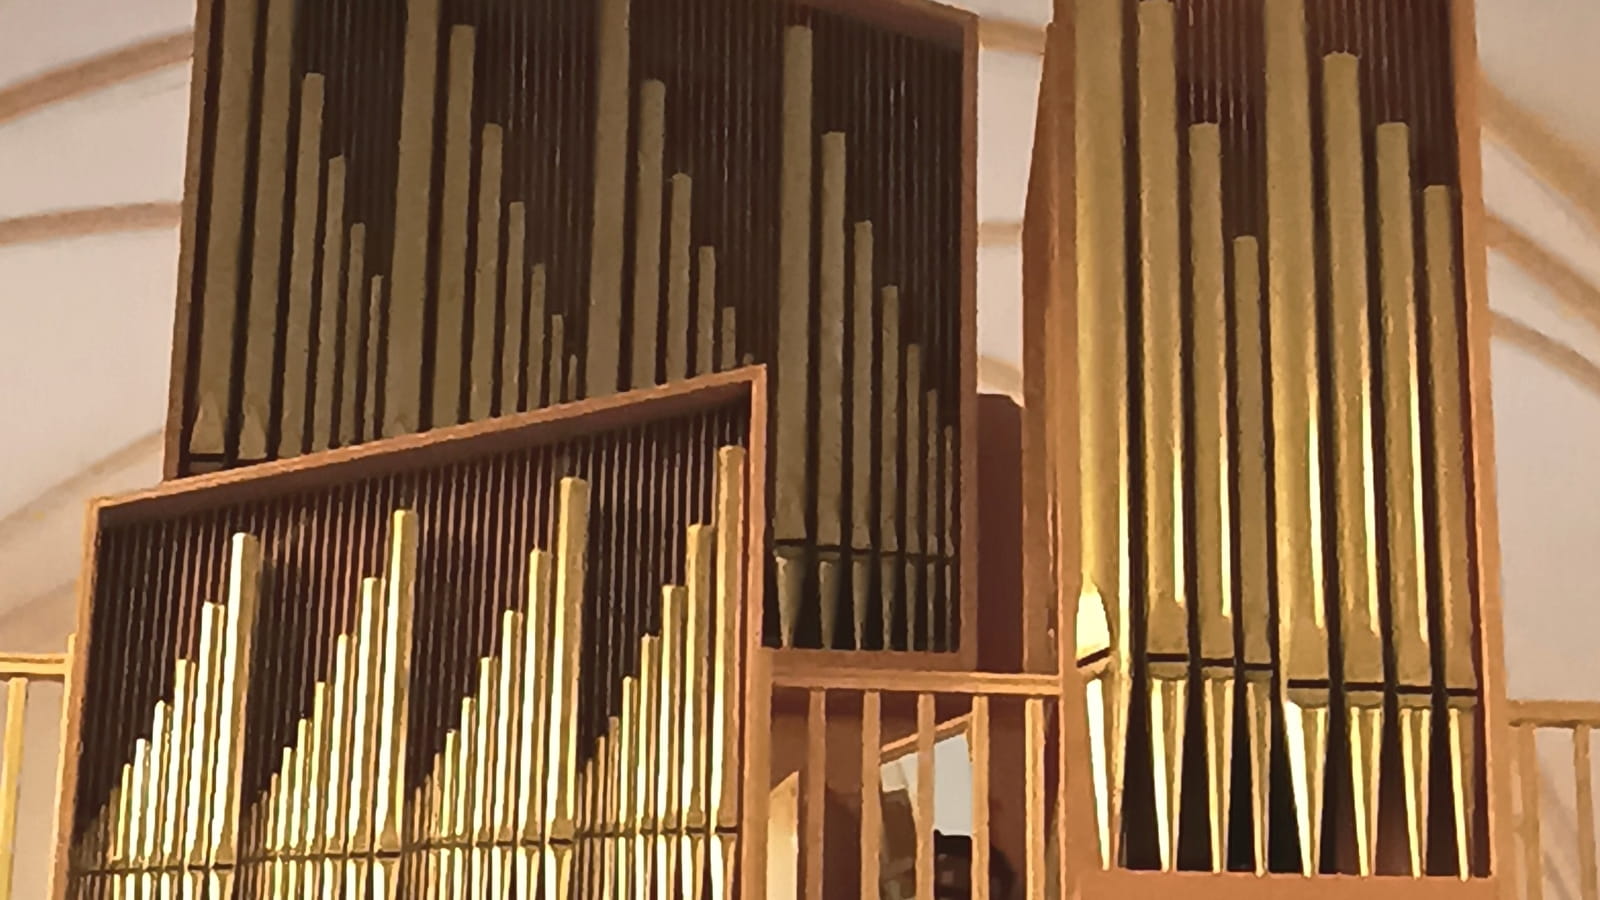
85, 324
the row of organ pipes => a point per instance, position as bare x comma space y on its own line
511, 803
1420, 592
500, 347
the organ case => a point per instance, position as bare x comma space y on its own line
505, 657
402, 216
1254, 224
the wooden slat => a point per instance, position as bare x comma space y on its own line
11, 777
978, 753
1583, 772
923, 818
1033, 788
1528, 785
813, 788
871, 794
794, 676
1549, 713
50, 666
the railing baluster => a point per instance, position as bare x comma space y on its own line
924, 796
1585, 781
978, 753
11, 777
871, 793
1033, 781
1528, 788
813, 793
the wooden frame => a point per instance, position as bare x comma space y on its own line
534, 428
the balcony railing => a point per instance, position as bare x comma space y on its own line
1555, 811
901, 784
19, 672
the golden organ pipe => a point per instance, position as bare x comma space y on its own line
486, 277
889, 447
1291, 282
508, 723
1100, 348
220, 303
1449, 480
453, 229
197, 814
556, 383
267, 228
705, 309
730, 339
1163, 450
536, 330
1213, 475
354, 293
486, 729
567, 633
1407, 570
931, 544
610, 176
413, 198
536, 699
338, 796
678, 314
333, 249
515, 297
1352, 433
647, 237
913, 488
794, 289
400, 582
1254, 587
369, 666
302, 262
861, 340
696, 661
160, 748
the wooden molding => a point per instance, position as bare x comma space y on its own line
1551, 158
997, 376
95, 73
1571, 290
1549, 351
996, 232
73, 223
1010, 36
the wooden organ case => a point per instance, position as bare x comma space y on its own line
1255, 225
500, 659
408, 215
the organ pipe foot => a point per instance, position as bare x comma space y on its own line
1366, 756
1463, 726
1258, 719
666, 868
828, 588
724, 857
1167, 718
1108, 695
1306, 732
791, 582
692, 851
1416, 729
558, 871
861, 590
1219, 757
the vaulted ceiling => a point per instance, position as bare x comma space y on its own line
94, 101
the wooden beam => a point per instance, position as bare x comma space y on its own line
1010, 36
1551, 158
1549, 351
73, 223
95, 73
1570, 289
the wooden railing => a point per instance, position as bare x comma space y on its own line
845, 822
18, 671
1555, 818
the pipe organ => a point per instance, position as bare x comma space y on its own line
507, 662
410, 215
1273, 495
